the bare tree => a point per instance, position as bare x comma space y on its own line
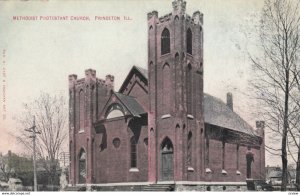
274, 82
4, 168
50, 112
295, 135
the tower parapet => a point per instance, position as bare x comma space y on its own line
72, 80
90, 74
179, 7
109, 80
152, 14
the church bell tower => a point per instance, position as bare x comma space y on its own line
175, 68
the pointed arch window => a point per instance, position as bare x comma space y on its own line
189, 88
166, 89
133, 153
167, 161
81, 110
189, 148
189, 42
165, 41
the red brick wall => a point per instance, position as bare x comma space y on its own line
242, 162
230, 161
215, 162
113, 164
215, 159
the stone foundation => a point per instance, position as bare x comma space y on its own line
207, 186
210, 187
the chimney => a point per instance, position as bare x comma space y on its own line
260, 127
229, 101
9, 153
260, 124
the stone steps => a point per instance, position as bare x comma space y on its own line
159, 187
75, 188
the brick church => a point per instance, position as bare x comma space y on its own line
160, 126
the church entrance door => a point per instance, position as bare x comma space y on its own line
82, 167
167, 170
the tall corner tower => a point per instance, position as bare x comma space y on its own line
86, 98
175, 66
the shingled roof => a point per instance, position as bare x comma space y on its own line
131, 104
216, 112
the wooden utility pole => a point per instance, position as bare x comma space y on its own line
33, 136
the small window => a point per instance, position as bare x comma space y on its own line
189, 92
189, 40
146, 141
81, 110
189, 148
116, 142
133, 153
165, 42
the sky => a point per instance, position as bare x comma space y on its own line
40, 54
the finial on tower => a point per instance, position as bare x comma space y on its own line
198, 18
72, 80
179, 6
151, 14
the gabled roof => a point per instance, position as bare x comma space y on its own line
216, 112
143, 71
131, 104
135, 70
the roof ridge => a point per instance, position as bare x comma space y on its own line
125, 95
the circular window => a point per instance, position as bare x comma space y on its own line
116, 142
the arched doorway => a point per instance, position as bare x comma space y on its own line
167, 171
82, 166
